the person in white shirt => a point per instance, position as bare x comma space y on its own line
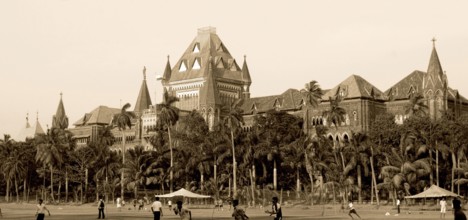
443, 207
352, 210
398, 206
40, 210
119, 204
156, 207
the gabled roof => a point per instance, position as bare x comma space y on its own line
167, 71
355, 87
210, 45
144, 100
401, 90
101, 115
288, 100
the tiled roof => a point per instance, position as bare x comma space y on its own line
288, 100
209, 93
29, 132
355, 87
208, 45
403, 88
100, 115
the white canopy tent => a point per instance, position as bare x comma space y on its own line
433, 192
183, 193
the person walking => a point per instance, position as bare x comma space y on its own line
443, 207
184, 214
398, 206
119, 204
352, 210
156, 208
101, 209
238, 214
458, 212
276, 209
40, 210
169, 203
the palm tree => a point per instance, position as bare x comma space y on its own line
52, 148
312, 93
233, 119
335, 114
6, 151
105, 159
134, 167
168, 116
416, 105
358, 158
122, 121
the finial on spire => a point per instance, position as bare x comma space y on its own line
27, 117
37, 115
61, 94
433, 41
144, 72
168, 57
245, 57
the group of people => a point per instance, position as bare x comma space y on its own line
239, 213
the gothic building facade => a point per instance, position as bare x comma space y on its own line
206, 77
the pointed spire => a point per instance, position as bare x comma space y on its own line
434, 69
167, 71
38, 126
144, 100
60, 119
246, 72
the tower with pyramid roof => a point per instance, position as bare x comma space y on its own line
142, 105
60, 119
207, 76
29, 131
435, 86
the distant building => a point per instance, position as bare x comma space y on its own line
207, 77
28, 131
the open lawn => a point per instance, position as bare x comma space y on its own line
88, 211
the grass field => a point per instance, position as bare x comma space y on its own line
88, 211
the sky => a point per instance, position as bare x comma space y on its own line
94, 51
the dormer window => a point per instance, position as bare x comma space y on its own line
196, 64
182, 67
196, 48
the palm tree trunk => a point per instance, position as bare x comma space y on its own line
234, 166
252, 185
106, 187
123, 164
437, 164
298, 184
59, 190
201, 182
16, 189
52, 183
229, 192
359, 183
171, 172
66, 186
458, 175
431, 174
454, 163
215, 167
7, 195
86, 183
275, 177
97, 189
374, 180
24, 190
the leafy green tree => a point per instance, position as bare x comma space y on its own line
416, 105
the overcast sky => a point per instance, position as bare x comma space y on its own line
94, 51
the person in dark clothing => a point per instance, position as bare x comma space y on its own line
276, 209
101, 209
458, 212
238, 214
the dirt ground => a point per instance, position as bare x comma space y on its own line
89, 211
